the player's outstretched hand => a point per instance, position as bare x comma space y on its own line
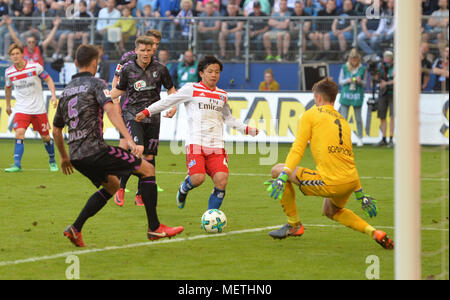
66, 166
368, 205
251, 131
276, 186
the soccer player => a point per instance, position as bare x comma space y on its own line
336, 176
141, 79
207, 110
30, 108
130, 56
81, 108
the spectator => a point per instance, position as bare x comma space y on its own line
127, 27
107, 17
167, 9
440, 69
19, 26
312, 7
4, 11
141, 4
81, 29
317, 36
120, 4
187, 70
296, 25
231, 28
43, 28
367, 39
269, 83
258, 27
103, 65
224, 4
184, 21
386, 29
426, 65
264, 6
200, 7
429, 6
342, 28
290, 5
438, 23
386, 97
64, 29
146, 23
208, 29
33, 50
163, 57
279, 24
352, 79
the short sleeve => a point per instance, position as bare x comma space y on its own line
123, 81
102, 93
166, 79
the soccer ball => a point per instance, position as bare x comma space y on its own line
213, 221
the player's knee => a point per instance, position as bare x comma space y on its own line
221, 180
329, 209
146, 169
276, 170
198, 179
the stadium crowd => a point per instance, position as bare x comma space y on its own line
51, 29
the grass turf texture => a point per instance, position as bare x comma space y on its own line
36, 205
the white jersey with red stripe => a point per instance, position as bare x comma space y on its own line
207, 110
27, 84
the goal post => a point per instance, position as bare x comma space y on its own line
407, 149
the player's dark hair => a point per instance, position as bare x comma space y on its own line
85, 55
155, 33
327, 88
143, 40
208, 60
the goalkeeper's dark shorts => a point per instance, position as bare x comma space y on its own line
311, 184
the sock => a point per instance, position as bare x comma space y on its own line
186, 185
348, 218
94, 204
50, 147
216, 198
18, 152
150, 199
152, 162
123, 180
384, 139
289, 206
391, 139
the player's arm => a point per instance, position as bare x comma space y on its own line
66, 165
51, 87
234, 123
8, 94
276, 186
182, 95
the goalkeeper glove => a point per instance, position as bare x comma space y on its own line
367, 204
277, 186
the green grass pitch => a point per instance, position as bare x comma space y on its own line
36, 205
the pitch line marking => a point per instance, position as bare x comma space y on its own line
266, 175
175, 240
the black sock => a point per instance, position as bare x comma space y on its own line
123, 180
150, 199
139, 191
93, 206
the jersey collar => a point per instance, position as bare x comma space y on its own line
202, 84
82, 74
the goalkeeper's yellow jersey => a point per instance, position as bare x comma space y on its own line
329, 136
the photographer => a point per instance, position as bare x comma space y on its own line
386, 97
352, 79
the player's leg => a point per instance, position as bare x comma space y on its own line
21, 121
294, 225
138, 196
41, 124
334, 209
156, 230
216, 165
195, 163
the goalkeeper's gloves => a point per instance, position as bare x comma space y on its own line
276, 187
367, 204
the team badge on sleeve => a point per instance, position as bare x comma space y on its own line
107, 93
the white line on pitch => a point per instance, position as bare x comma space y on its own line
266, 175
176, 240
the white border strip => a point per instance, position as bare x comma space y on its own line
175, 240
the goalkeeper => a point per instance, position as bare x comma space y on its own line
336, 177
